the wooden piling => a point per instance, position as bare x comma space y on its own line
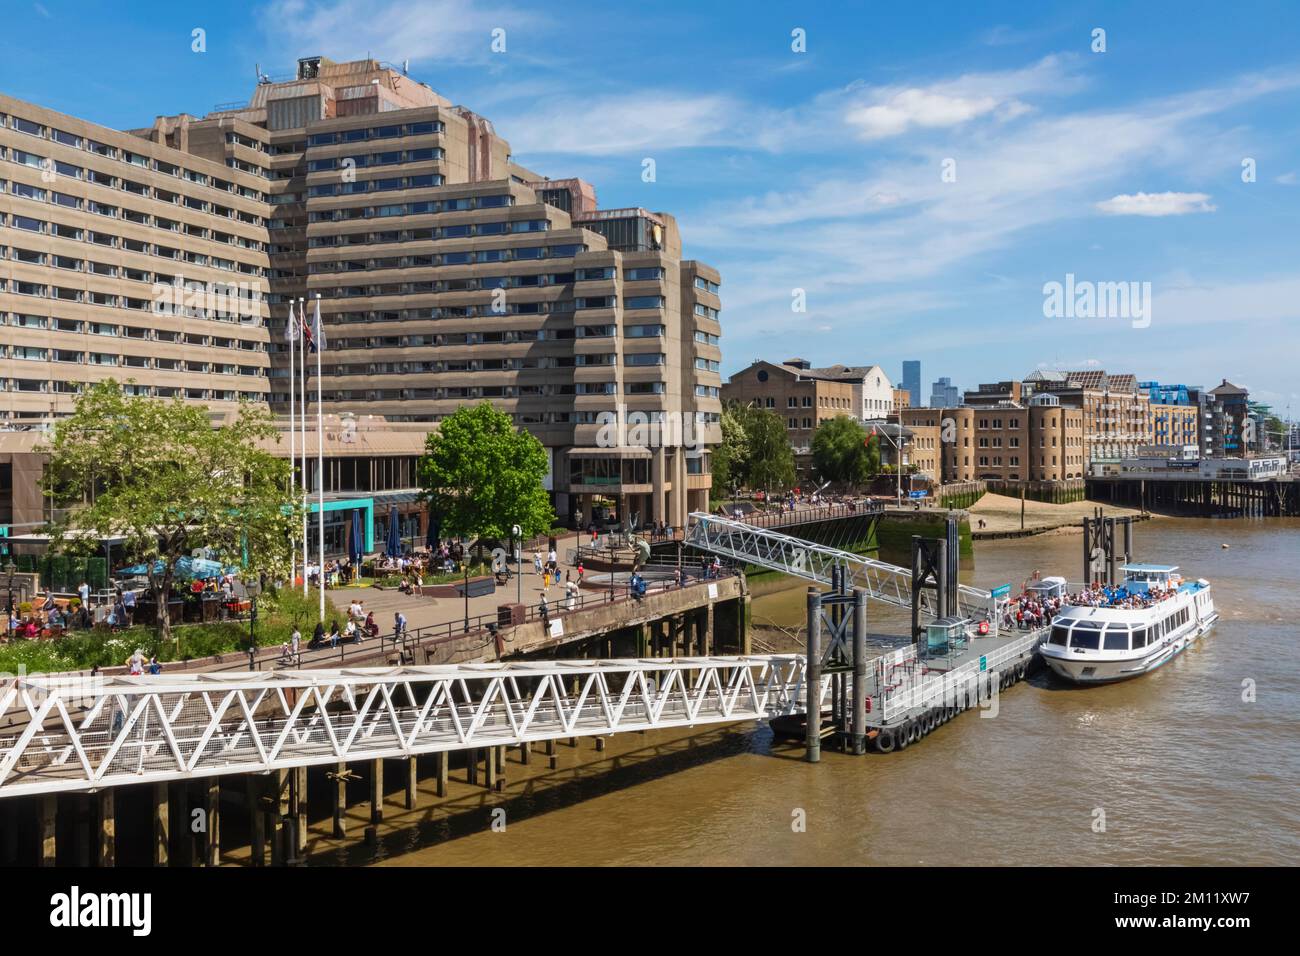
440, 772
47, 806
161, 825
339, 796
412, 783
256, 820
106, 828
376, 791
212, 815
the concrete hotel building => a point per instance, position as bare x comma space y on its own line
448, 274
99, 232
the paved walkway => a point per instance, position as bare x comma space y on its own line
423, 611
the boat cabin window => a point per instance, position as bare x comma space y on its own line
1116, 637
1140, 637
1086, 635
1060, 634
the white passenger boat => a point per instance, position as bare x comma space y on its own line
1129, 630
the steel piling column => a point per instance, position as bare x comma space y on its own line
859, 671
813, 668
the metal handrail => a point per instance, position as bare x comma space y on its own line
483, 625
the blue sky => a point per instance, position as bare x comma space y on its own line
822, 170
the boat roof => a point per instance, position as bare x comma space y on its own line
1161, 568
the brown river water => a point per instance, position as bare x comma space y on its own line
1184, 770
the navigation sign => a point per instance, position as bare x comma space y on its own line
1000, 591
984, 663
917, 494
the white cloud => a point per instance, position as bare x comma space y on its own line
422, 31
882, 112
1156, 204
915, 107
617, 123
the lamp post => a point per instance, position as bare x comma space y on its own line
465, 565
10, 570
516, 535
252, 632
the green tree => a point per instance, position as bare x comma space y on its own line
841, 451
731, 456
159, 475
769, 465
481, 475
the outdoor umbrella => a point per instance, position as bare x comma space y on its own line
358, 542
186, 568
394, 548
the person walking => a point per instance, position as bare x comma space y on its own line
83, 592
295, 642
399, 626
537, 562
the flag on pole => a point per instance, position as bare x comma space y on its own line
317, 338
291, 327
305, 329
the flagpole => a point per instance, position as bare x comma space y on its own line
319, 337
302, 412
293, 441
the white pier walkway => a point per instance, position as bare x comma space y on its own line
884, 582
84, 734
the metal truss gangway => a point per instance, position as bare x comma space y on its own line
884, 582
84, 734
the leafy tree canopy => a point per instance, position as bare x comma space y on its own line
159, 475
481, 475
755, 452
842, 453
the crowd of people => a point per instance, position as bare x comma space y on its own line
1031, 612
1103, 595
49, 616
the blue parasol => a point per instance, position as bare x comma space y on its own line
358, 542
394, 548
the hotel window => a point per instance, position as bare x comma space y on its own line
27, 126
645, 358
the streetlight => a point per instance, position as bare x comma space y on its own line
252, 634
516, 536
10, 569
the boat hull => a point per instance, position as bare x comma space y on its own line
1094, 670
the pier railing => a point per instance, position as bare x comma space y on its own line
81, 734
924, 691
745, 543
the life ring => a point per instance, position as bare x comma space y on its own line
983, 628
885, 742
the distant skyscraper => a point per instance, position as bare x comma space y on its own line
912, 381
944, 394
